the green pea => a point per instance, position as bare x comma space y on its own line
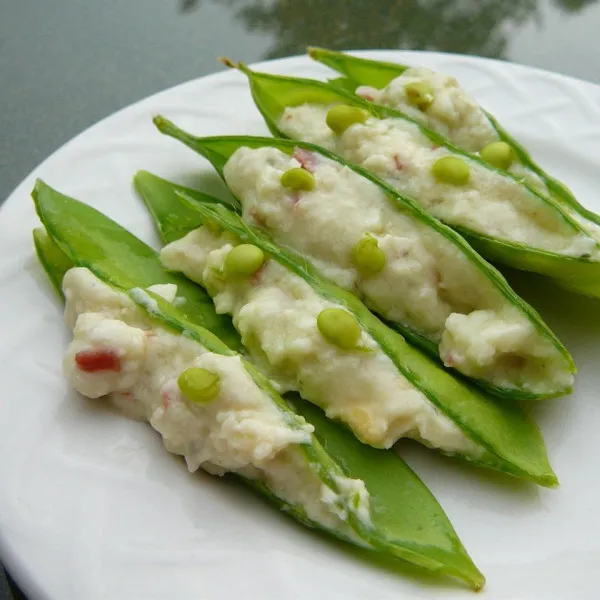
419, 94
368, 257
298, 179
243, 261
339, 327
498, 154
340, 117
451, 169
199, 385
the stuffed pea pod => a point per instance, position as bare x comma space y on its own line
405, 265
289, 318
437, 101
127, 312
504, 218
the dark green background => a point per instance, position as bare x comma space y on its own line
65, 64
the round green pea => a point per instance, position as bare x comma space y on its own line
199, 385
339, 327
368, 257
340, 117
419, 94
243, 261
451, 169
498, 154
298, 179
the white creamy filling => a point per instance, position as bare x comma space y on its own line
399, 153
457, 116
426, 279
453, 113
506, 352
276, 313
240, 431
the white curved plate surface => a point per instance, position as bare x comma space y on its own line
92, 508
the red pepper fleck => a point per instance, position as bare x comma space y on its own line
399, 164
257, 275
434, 147
258, 219
307, 160
449, 360
365, 93
165, 400
91, 361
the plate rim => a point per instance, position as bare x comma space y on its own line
14, 564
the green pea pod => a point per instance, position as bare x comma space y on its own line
54, 261
171, 226
507, 439
401, 503
357, 72
162, 200
559, 191
576, 268
406, 520
218, 150
98, 253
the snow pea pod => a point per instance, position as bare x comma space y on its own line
377, 74
404, 519
356, 71
53, 260
531, 232
506, 439
456, 257
172, 226
65, 216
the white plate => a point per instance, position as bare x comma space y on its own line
92, 508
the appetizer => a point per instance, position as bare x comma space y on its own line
313, 337
503, 217
437, 101
141, 341
405, 265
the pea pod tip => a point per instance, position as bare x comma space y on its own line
227, 62
164, 125
230, 64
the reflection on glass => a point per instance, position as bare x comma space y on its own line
464, 26
186, 6
573, 5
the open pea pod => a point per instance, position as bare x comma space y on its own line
219, 150
402, 507
378, 74
162, 200
405, 519
63, 216
554, 244
505, 438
